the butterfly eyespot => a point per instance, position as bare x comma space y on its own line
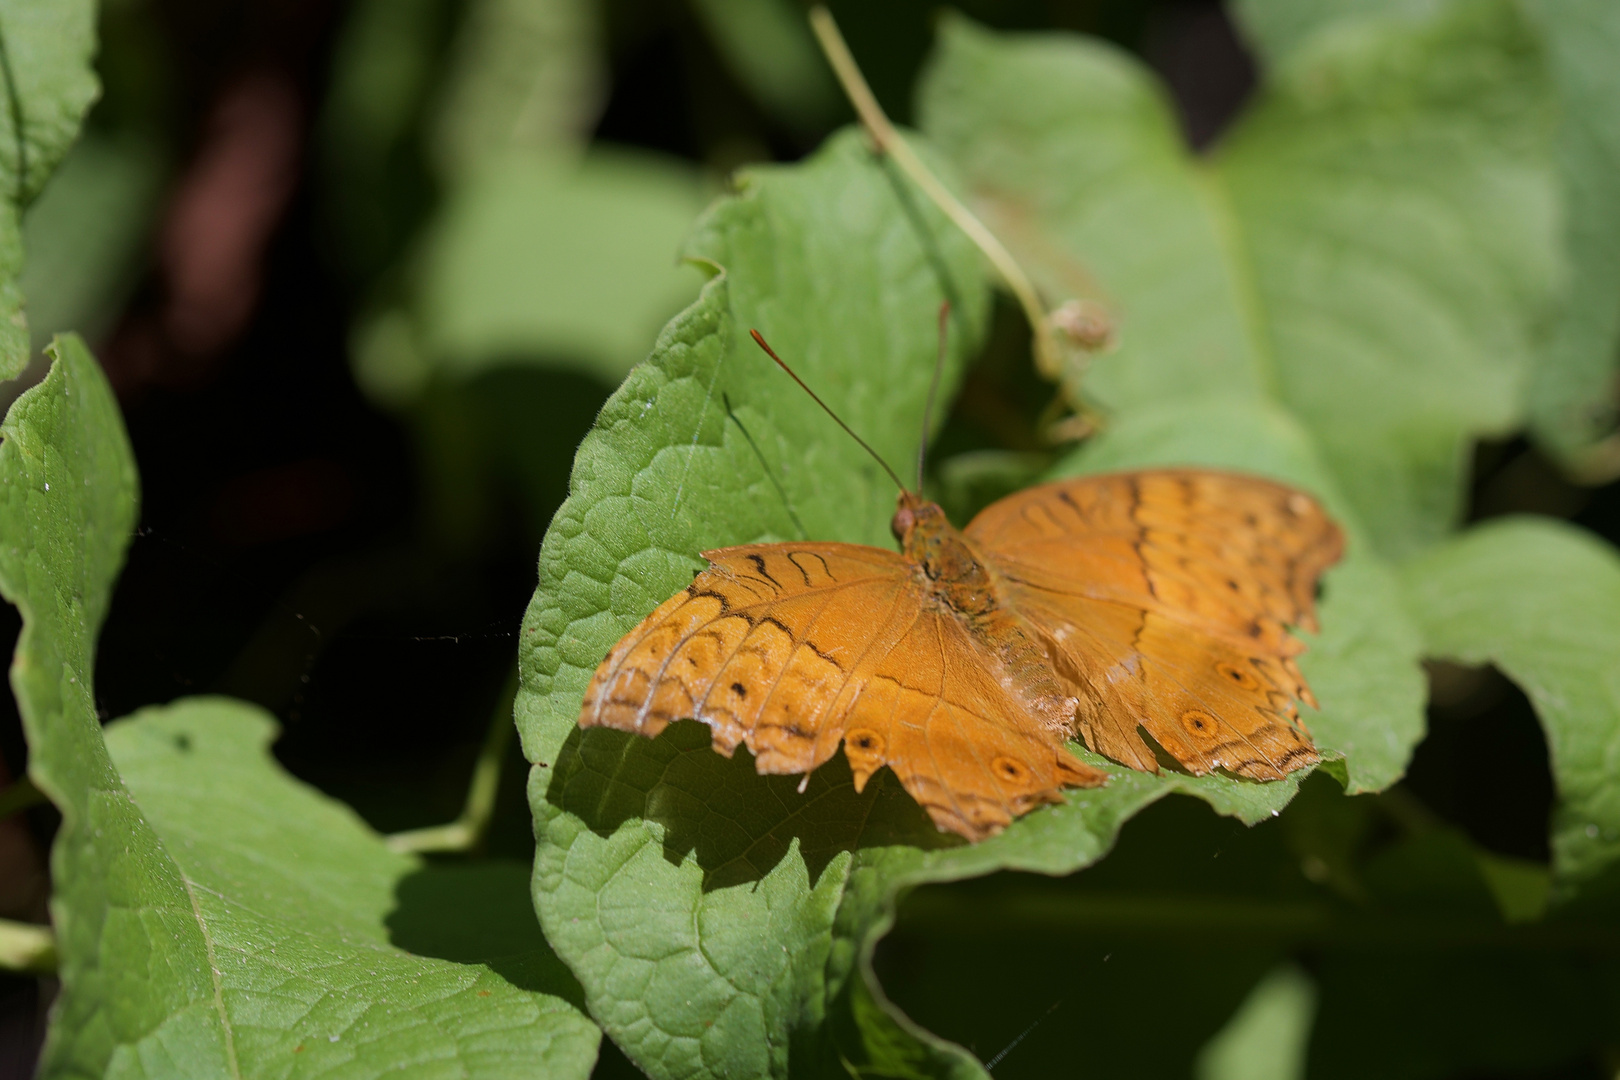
1198, 722
863, 741
1010, 768
1237, 675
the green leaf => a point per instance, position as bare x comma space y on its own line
1304, 261
214, 917
525, 76
1541, 600
1572, 395
1276, 27
564, 265
280, 869
68, 486
202, 774
1572, 402
49, 83
722, 923
84, 233
1267, 1037
45, 53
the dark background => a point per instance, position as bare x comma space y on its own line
291, 551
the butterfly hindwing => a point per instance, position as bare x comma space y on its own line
1165, 597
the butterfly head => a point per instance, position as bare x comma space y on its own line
914, 513
944, 556
927, 536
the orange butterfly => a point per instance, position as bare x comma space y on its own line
1098, 607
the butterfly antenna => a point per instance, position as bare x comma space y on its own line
933, 388
760, 341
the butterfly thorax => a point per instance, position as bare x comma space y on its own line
954, 570
961, 582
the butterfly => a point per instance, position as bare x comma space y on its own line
1145, 613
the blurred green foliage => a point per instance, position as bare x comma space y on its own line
1406, 242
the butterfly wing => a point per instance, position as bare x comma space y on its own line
791, 649
1165, 598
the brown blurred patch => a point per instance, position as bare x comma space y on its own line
224, 210
24, 884
280, 503
214, 234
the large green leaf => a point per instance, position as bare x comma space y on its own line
574, 265
214, 917
722, 923
1266, 1038
83, 236
67, 507
1541, 600
1573, 400
298, 894
561, 265
1375, 244
1275, 28
1572, 395
48, 46
45, 53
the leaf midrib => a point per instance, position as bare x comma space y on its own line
1211, 190
213, 968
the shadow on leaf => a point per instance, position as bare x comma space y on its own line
736, 823
479, 913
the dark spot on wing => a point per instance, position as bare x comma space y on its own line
696, 593
793, 557
759, 564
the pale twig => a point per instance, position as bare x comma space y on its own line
889, 141
27, 948
468, 830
